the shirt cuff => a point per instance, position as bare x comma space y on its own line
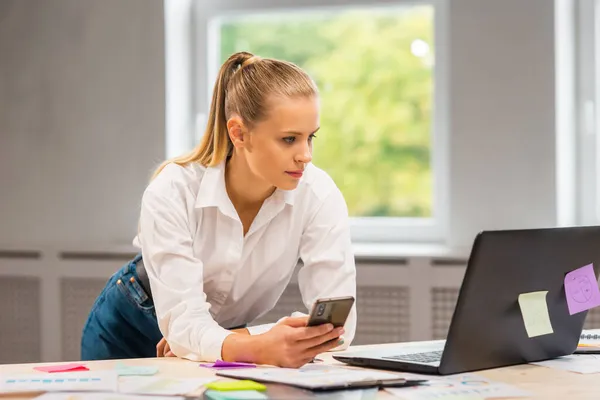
259, 329
210, 348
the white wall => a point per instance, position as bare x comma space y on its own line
502, 131
81, 118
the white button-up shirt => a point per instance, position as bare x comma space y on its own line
205, 275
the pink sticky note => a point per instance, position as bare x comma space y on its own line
581, 289
73, 367
219, 364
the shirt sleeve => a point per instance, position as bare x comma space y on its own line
176, 278
328, 260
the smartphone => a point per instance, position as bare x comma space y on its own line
334, 311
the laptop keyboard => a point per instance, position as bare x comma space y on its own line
426, 357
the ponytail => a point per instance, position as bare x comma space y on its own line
242, 86
215, 144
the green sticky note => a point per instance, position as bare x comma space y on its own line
235, 395
223, 386
124, 370
535, 313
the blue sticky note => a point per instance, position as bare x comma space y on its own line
124, 370
235, 395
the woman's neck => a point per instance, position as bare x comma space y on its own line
245, 190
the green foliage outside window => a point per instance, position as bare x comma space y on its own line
374, 69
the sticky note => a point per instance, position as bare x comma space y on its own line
535, 313
126, 370
235, 395
581, 289
219, 364
73, 367
235, 385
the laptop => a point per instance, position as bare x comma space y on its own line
487, 329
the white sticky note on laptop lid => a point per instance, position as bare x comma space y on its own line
535, 313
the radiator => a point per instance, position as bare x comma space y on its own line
45, 298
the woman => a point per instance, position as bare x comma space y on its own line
223, 228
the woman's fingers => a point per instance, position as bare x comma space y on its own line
322, 348
167, 351
316, 341
162, 348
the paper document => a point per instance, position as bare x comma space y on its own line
102, 396
161, 386
467, 386
311, 376
103, 381
580, 363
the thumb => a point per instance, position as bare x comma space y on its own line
296, 322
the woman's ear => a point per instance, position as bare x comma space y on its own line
237, 131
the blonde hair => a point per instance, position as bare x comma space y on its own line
244, 83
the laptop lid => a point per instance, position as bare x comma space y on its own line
487, 328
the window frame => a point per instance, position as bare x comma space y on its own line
587, 89
363, 229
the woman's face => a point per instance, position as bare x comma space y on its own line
278, 148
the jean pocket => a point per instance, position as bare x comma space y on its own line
134, 292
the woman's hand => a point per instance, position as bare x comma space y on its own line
292, 344
163, 349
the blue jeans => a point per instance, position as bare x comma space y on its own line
122, 322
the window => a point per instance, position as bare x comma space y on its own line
378, 73
586, 162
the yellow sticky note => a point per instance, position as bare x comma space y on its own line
535, 313
235, 385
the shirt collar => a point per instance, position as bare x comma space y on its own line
286, 196
213, 192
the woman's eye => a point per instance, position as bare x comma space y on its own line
292, 139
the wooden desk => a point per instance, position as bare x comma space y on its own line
544, 383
